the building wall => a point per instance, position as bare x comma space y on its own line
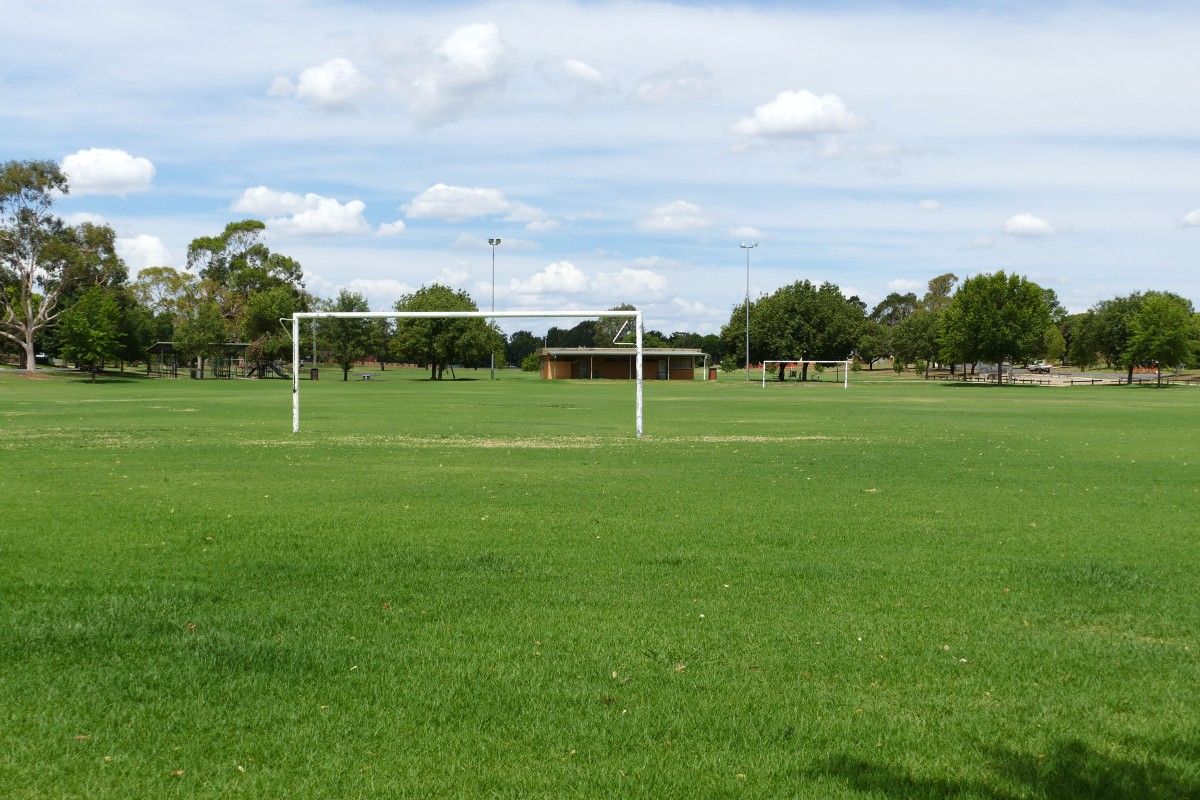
615, 368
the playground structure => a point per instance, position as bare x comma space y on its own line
164, 360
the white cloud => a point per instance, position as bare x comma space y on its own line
693, 309
631, 283
560, 277
456, 203
581, 72
798, 114
307, 214
335, 85
80, 217
380, 292
1028, 226
687, 80
679, 215
100, 170
904, 285
1192, 219
391, 228
267, 202
452, 277
468, 67
929, 205
143, 250
745, 232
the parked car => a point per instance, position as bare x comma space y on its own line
1040, 367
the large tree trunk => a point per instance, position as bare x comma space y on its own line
1159, 375
1129, 375
30, 359
345, 372
93, 368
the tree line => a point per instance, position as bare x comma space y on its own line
993, 318
65, 292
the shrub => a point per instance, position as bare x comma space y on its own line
898, 365
730, 363
531, 362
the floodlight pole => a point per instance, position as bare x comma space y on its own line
748, 246
494, 242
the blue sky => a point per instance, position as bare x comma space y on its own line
622, 149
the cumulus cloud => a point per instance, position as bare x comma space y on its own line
456, 203
630, 283
100, 170
1027, 226
303, 214
391, 228
1192, 219
929, 205
335, 85
560, 277
143, 250
687, 80
798, 114
679, 215
471, 65
564, 278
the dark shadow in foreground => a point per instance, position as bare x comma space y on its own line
1070, 769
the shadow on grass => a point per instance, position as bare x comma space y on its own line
1071, 769
957, 384
105, 379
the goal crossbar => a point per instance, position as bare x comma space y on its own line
295, 319
845, 364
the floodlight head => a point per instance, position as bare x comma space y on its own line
748, 245
493, 242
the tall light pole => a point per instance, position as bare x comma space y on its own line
494, 242
748, 246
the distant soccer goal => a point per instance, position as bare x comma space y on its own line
842, 368
636, 316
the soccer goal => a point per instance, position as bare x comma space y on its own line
842, 367
295, 319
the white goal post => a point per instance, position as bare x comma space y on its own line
844, 363
299, 315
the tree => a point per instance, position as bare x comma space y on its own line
1161, 331
939, 291
238, 259
894, 309
202, 334
995, 318
164, 290
1054, 345
874, 342
346, 340
379, 341
89, 329
605, 329
520, 345
1110, 331
438, 342
800, 321
267, 339
532, 361
917, 339
30, 270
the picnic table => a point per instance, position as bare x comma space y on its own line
366, 376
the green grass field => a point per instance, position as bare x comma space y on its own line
476, 589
